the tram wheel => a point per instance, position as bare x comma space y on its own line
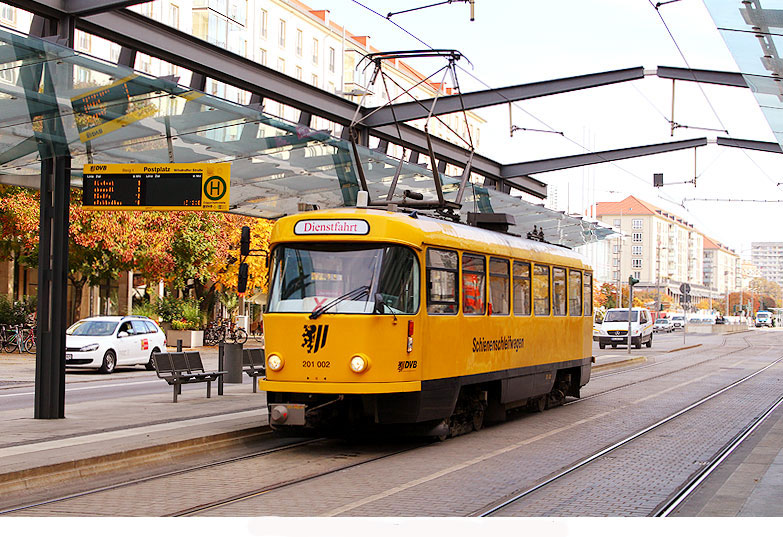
478, 420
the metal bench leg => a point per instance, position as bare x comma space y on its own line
176, 386
255, 384
209, 389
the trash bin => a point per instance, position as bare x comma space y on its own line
232, 361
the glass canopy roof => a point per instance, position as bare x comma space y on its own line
102, 113
753, 32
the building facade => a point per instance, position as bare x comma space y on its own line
768, 257
662, 251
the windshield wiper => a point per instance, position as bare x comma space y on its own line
353, 295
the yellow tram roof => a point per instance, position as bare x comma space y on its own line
401, 228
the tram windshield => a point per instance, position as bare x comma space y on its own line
307, 277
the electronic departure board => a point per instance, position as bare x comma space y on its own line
158, 187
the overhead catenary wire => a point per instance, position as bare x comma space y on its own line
516, 105
699, 85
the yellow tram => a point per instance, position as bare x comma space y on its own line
391, 318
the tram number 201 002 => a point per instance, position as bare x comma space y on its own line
314, 363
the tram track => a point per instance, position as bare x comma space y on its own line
157, 476
682, 492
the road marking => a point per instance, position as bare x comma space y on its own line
84, 388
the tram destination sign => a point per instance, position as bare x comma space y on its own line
157, 187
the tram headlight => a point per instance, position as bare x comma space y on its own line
274, 362
359, 363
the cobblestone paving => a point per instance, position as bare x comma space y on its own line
462, 475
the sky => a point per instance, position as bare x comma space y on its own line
517, 42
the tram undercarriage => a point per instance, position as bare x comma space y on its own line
443, 407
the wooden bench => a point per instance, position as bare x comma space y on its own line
254, 364
178, 368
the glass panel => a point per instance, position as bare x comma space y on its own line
575, 292
311, 276
541, 290
441, 282
614, 316
473, 283
498, 286
111, 114
521, 288
588, 294
559, 291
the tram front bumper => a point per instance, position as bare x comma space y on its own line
338, 387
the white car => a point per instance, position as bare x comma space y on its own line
664, 324
104, 343
678, 321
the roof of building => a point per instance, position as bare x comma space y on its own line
634, 206
710, 244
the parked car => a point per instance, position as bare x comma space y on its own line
664, 324
104, 343
614, 329
678, 321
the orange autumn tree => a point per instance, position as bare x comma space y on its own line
226, 272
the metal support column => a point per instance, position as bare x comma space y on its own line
54, 220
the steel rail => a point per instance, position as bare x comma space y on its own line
584, 462
162, 475
690, 486
264, 490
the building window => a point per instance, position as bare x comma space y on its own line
82, 40
636, 223
315, 80
616, 262
636, 263
298, 73
281, 37
616, 275
636, 249
264, 23
315, 51
8, 13
637, 275
637, 237
616, 249
331, 59
174, 16
262, 56
617, 223
281, 65
299, 42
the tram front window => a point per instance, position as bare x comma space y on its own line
307, 277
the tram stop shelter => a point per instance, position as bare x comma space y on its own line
61, 110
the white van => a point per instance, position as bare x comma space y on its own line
614, 329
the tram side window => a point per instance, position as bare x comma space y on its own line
540, 290
575, 293
498, 286
473, 282
558, 291
442, 269
521, 288
588, 294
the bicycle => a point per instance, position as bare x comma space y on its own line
29, 339
16, 340
222, 330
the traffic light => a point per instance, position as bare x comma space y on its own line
632, 281
242, 278
657, 180
244, 242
